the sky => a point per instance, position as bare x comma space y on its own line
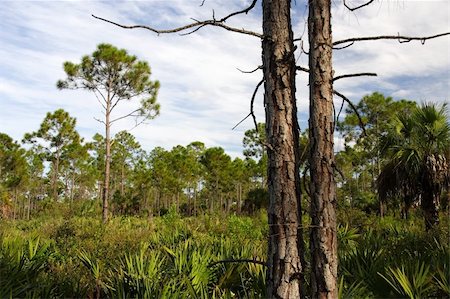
203, 95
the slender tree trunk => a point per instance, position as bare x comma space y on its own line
323, 240
29, 208
285, 252
195, 201
122, 180
55, 176
105, 193
72, 186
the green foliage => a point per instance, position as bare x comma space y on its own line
417, 148
22, 267
114, 75
415, 283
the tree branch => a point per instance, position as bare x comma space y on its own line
195, 26
252, 113
252, 71
306, 70
244, 11
361, 124
253, 261
100, 121
301, 68
354, 75
400, 38
357, 7
125, 116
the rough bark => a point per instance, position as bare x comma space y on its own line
323, 240
285, 256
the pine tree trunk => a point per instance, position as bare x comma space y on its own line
55, 176
285, 256
323, 240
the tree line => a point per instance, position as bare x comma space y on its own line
395, 162
55, 163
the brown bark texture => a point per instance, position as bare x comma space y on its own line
323, 240
285, 256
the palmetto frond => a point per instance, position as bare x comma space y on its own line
417, 148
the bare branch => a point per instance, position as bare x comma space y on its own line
361, 124
195, 26
253, 261
252, 113
98, 99
338, 170
343, 47
132, 113
303, 49
400, 38
100, 121
354, 75
339, 113
252, 71
137, 124
357, 7
301, 68
244, 11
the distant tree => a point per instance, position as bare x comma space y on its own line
217, 166
417, 150
114, 76
376, 112
79, 171
13, 172
195, 151
161, 175
56, 136
125, 150
253, 142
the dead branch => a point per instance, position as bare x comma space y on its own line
252, 261
400, 38
357, 7
306, 70
99, 120
132, 113
346, 46
244, 11
252, 113
301, 68
350, 103
196, 25
339, 113
354, 75
250, 72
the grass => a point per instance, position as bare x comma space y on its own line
71, 254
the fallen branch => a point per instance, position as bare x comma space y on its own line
252, 261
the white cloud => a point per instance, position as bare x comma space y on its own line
202, 94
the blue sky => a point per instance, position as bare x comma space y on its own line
202, 94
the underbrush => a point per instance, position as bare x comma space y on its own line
74, 255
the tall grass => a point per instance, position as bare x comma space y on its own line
175, 257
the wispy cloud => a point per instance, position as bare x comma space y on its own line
202, 93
